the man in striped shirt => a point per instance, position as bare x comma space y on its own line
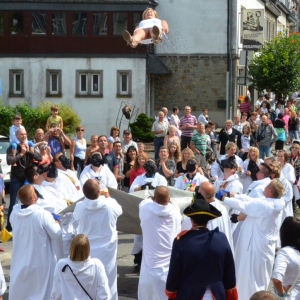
187, 125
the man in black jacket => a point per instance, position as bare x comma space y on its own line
23, 158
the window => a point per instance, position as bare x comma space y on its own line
79, 24
137, 17
89, 83
124, 84
16, 83
38, 25
59, 26
100, 23
120, 23
16, 22
53, 83
1, 23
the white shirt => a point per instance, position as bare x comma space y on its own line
215, 168
140, 180
202, 119
174, 120
105, 176
90, 273
182, 181
32, 262
158, 126
287, 268
245, 141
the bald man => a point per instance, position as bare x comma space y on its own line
160, 222
32, 261
97, 219
23, 158
207, 191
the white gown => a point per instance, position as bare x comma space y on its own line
97, 220
75, 183
247, 180
160, 225
140, 180
288, 172
287, 268
90, 273
105, 175
182, 181
255, 249
2, 282
215, 168
32, 262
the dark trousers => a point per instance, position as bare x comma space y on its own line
78, 165
185, 142
15, 185
158, 142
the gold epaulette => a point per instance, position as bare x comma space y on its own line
182, 233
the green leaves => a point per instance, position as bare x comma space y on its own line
276, 67
141, 128
34, 118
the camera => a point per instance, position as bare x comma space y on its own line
259, 138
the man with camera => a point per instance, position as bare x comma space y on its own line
56, 139
266, 135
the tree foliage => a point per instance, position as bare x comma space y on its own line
141, 128
276, 67
34, 118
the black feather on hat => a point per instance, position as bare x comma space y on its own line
201, 211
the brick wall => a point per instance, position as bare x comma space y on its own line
198, 81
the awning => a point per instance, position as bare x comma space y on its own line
156, 67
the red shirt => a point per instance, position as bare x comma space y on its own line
135, 173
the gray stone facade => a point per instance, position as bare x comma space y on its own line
197, 80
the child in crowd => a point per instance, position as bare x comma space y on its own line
141, 149
55, 118
17, 124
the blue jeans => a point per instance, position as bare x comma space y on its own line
15, 185
158, 142
293, 133
264, 151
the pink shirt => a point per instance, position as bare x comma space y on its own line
286, 120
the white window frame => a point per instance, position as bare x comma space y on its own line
128, 92
13, 92
89, 83
49, 91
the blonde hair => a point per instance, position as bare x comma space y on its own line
256, 152
278, 189
189, 151
172, 127
228, 121
145, 11
80, 248
229, 145
276, 169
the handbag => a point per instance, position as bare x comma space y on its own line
63, 270
273, 291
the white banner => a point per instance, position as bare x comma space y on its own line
253, 28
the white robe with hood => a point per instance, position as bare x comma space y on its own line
288, 172
105, 175
255, 249
90, 273
32, 262
160, 225
140, 180
97, 220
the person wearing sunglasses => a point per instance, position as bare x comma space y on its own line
77, 151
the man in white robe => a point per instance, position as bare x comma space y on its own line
97, 217
160, 222
98, 170
32, 262
191, 180
34, 176
207, 191
255, 249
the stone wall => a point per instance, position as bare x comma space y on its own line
198, 81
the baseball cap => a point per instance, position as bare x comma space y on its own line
126, 131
